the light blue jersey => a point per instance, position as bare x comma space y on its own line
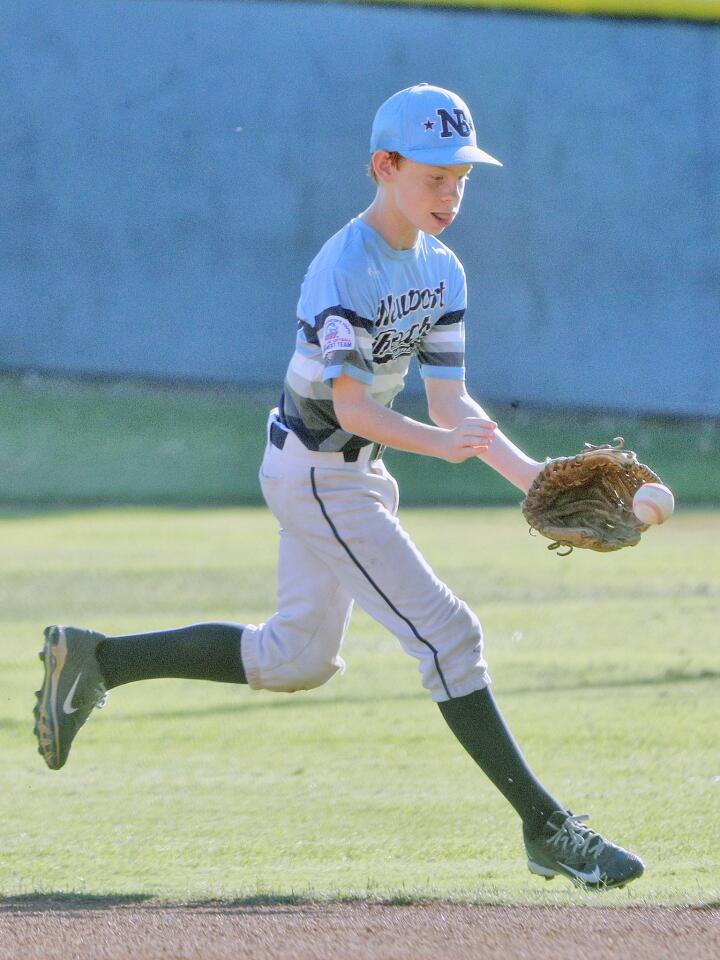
366, 309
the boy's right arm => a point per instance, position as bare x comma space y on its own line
449, 403
359, 414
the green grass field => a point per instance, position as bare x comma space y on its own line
607, 667
83, 442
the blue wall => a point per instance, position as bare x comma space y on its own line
169, 168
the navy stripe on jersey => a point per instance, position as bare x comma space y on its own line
318, 429
309, 333
357, 321
434, 359
447, 319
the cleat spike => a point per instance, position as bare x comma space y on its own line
41, 656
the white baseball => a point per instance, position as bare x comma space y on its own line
653, 503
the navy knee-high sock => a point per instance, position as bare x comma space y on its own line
203, 651
479, 726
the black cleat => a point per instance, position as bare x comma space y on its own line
566, 846
72, 687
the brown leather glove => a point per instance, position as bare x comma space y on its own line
586, 500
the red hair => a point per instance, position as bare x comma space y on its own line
395, 160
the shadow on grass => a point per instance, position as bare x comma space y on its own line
69, 903
81, 903
302, 702
65, 901
669, 677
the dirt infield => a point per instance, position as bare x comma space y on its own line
85, 929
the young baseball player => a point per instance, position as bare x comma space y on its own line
382, 290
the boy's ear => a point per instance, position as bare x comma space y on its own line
383, 165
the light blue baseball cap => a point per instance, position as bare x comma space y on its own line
429, 125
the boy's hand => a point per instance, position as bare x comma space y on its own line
469, 438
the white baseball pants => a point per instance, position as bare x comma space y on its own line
340, 542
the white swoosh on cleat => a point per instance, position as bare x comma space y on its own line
67, 705
592, 877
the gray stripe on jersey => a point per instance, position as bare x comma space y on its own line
438, 359
444, 345
309, 412
308, 389
315, 423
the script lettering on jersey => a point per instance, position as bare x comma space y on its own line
391, 344
461, 124
391, 309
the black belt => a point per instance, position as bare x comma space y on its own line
278, 437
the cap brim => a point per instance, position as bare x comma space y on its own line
447, 156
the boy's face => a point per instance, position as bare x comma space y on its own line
428, 197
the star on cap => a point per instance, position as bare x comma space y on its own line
429, 124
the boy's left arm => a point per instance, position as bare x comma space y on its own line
449, 403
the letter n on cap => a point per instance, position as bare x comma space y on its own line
459, 124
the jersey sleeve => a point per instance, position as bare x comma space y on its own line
442, 351
336, 314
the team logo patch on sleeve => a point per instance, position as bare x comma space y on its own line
338, 334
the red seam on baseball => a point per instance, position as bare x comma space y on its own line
654, 508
